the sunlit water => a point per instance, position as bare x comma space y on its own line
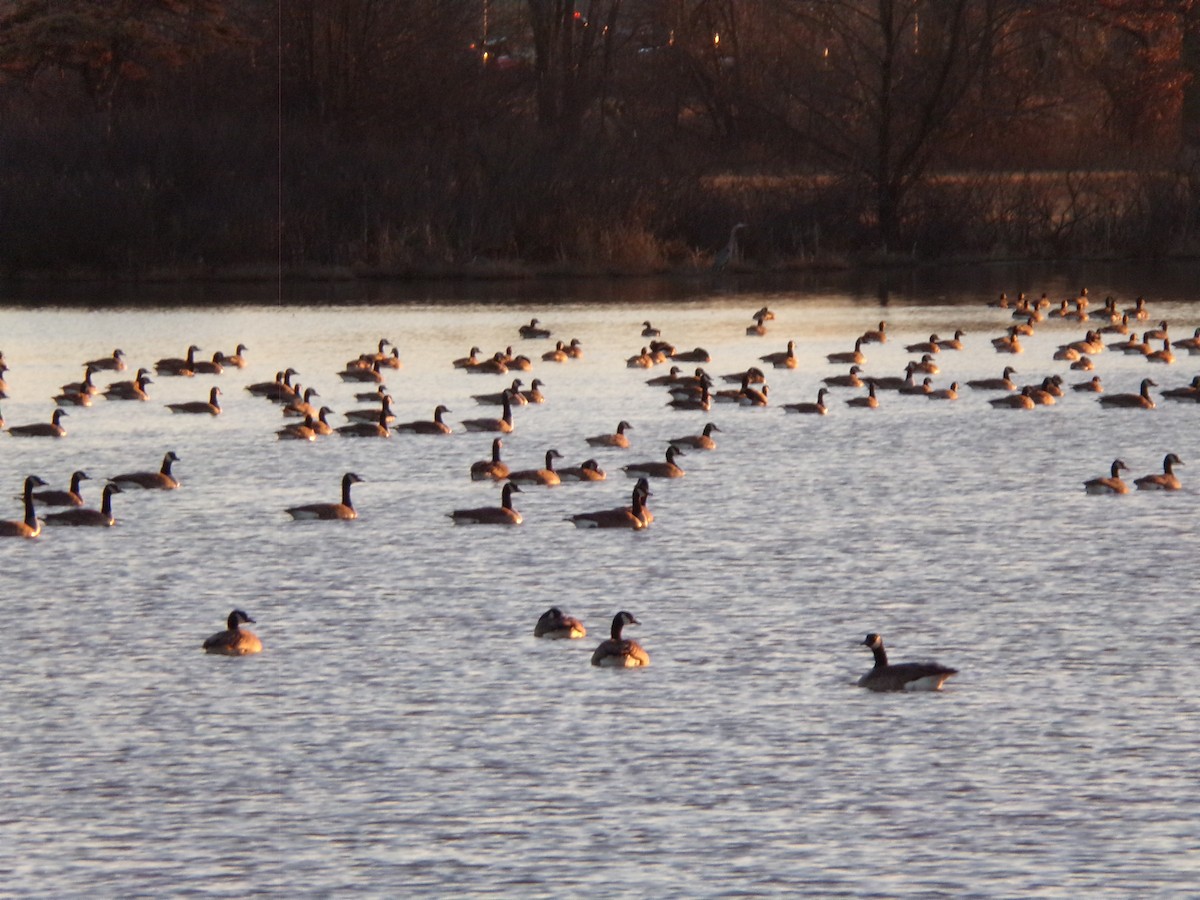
404, 734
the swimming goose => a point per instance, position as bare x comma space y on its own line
376, 395
299, 431
233, 641
588, 470
174, 366
1167, 480
546, 476
370, 373
950, 393
114, 363
382, 413
209, 367
924, 387
1092, 384
1140, 400
468, 361
926, 366
855, 356
1190, 344
851, 379
752, 375
877, 336
819, 408
1010, 343
901, 676
895, 382
868, 402
343, 510
954, 343
322, 426
512, 392
649, 330
574, 348
130, 390
534, 394
1157, 334
618, 652
1110, 484
1138, 310
504, 424
1092, 342
237, 360
73, 399
558, 354
635, 517
494, 365
532, 330
749, 396
642, 360
377, 429
698, 354
1025, 329
1083, 364
1041, 394
1003, 383
273, 390
1132, 345
758, 328
1014, 401
1162, 356
1120, 326
556, 625
765, 314
53, 428
664, 469
212, 407
302, 406
87, 386
29, 526
783, 359
427, 426
69, 497
1002, 302
616, 439
1066, 353
162, 480
702, 441
493, 468
504, 514
670, 378
703, 402
1190, 391
929, 346
101, 518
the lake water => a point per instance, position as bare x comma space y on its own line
403, 734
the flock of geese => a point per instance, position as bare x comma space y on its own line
1109, 329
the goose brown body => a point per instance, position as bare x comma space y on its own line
620, 652
29, 526
101, 518
162, 480
666, 468
554, 624
53, 428
427, 426
1109, 484
927, 676
233, 641
343, 510
495, 468
1166, 480
69, 497
504, 514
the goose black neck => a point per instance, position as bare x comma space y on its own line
30, 512
881, 659
346, 482
617, 624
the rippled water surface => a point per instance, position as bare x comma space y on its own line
404, 734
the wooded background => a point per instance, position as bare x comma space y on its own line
396, 137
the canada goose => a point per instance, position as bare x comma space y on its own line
212, 407
302, 406
1040, 393
1014, 401
546, 476
322, 426
1120, 326
299, 431
512, 392
371, 373
534, 393
1140, 400
1092, 384
87, 386
556, 625
504, 514
1025, 329
1157, 334
237, 360
868, 402
73, 399
1010, 343
924, 387
29, 526
664, 469
642, 360
819, 408
113, 363
1166, 481
1083, 364
1066, 353
765, 314
209, 367
851, 379
876, 336
233, 641
758, 328
1110, 484
574, 348
930, 346
1091, 343
381, 414
493, 468
752, 375
702, 441
1003, 383
162, 480
703, 402
390, 360
895, 382
649, 330
901, 676
635, 517
1190, 344
343, 510
273, 390
954, 343
1133, 345
1190, 391
1138, 310
558, 354
950, 393
532, 330
588, 470
1162, 356
130, 390
1001, 302
926, 366
697, 355
504, 424
679, 382
670, 378
853, 357
53, 428
69, 497
616, 439
749, 396
175, 366
377, 429
427, 426
618, 652
468, 361
493, 365
101, 517
783, 359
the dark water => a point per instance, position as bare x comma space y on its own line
403, 733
